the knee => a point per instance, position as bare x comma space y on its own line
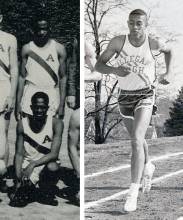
52, 166
137, 143
3, 168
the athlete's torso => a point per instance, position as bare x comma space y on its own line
43, 138
6, 41
142, 65
36, 74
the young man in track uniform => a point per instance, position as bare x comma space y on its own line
43, 68
37, 147
135, 69
8, 86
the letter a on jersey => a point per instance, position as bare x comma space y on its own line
47, 139
50, 58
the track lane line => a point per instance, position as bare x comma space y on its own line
114, 196
125, 166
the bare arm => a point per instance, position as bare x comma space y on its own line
168, 55
21, 80
113, 48
62, 78
10, 102
90, 74
19, 154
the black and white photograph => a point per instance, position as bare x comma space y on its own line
133, 109
40, 109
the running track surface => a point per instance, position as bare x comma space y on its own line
107, 177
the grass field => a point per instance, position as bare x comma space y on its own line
107, 178
66, 209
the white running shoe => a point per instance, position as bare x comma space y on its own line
147, 177
131, 200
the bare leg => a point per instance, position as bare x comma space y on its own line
73, 141
129, 125
6, 159
141, 123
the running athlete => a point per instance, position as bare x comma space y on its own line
135, 69
91, 75
43, 69
37, 147
8, 86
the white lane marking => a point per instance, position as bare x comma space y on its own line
180, 218
125, 166
158, 179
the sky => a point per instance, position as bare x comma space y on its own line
166, 18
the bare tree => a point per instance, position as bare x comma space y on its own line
96, 10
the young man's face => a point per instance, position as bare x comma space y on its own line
137, 25
39, 108
41, 33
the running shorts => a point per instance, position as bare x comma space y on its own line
130, 101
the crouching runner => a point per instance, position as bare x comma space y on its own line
37, 149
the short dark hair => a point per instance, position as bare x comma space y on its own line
37, 20
40, 95
138, 12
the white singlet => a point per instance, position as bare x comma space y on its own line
43, 138
7, 41
141, 63
36, 74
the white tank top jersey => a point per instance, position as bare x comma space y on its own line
142, 66
36, 74
43, 138
6, 41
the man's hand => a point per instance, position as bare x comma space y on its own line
28, 171
71, 101
18, 112
9, 104
123, 71
164, 79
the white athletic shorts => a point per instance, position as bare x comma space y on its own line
30, 89
5, 88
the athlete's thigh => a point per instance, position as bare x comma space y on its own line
75, 120
128, 122
141, 121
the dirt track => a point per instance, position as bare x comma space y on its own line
36, 211
164, 202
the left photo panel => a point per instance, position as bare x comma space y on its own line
40, 109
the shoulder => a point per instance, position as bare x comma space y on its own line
117, 42
26, 49
10, 39
61, 50
156, 43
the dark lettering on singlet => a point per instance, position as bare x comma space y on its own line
42, 63
37, 146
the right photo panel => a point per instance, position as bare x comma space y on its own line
133, 109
